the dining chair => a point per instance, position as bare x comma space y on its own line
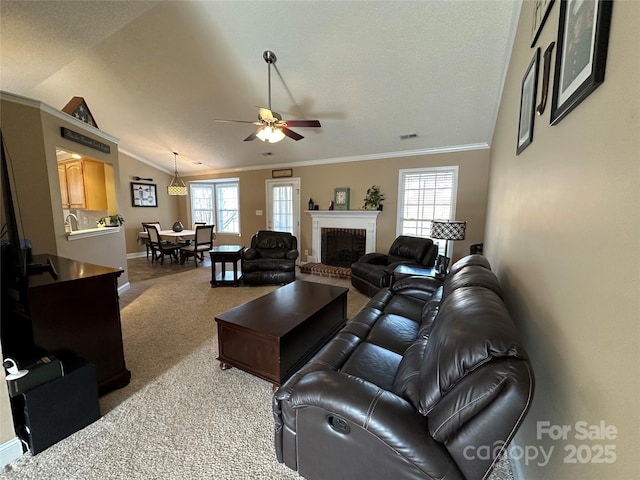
195, 224
203, 243
145, 241
159, 248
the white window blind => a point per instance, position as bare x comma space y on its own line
425, 194
216, 204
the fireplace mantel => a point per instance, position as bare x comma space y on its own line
365, 219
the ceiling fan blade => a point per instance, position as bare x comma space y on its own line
252, 136
302, 123
291, 134
266, 114
232, 121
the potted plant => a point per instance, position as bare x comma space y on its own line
373, 198
111, 220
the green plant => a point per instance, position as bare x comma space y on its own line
111, 220
373, 198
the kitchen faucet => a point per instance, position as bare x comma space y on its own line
67, 222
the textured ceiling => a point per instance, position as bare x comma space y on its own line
157, 74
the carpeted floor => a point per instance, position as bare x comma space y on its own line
181, 416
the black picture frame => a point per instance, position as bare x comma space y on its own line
580, 61
541, 11
144, 194
528, 95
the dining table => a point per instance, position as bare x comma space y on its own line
171, 235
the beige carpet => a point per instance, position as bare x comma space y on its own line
181, 416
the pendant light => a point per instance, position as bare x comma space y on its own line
177, 185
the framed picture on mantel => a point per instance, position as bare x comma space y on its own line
341, 198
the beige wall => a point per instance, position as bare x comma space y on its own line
563, 235
318, 182
167, 211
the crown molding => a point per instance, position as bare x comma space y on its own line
356, 158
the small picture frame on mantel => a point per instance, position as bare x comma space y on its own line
341, 198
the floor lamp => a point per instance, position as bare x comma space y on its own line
447, 230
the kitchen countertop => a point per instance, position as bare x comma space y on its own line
91, 232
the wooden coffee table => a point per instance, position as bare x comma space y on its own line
272, 336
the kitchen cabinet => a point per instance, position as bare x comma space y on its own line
82, 185
64, 192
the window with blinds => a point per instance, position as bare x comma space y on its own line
425, 194
216, 204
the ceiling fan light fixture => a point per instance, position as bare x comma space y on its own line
276, 135
177, 185
269, 134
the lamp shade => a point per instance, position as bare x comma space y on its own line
177, 186
448, 230
177, 190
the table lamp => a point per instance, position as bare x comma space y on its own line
447, 230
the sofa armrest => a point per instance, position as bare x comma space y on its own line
374, 258
250, 254
385, 417
291, 255
422, 287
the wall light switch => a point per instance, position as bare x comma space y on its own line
259, 213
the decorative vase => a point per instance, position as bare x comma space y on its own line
380, 207
177, 227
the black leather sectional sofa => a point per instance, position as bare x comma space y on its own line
422, 383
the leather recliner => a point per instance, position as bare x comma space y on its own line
374, 271
271, 259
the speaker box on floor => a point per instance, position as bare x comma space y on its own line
57, 409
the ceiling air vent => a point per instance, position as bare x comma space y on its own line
407, 136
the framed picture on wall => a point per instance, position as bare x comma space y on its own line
528, 103
143, 195
581, 57
541, 11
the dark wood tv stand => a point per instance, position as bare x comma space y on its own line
79, 311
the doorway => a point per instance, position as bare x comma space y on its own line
283, 205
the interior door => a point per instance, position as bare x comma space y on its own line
283, 206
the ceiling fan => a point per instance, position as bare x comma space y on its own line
272, 128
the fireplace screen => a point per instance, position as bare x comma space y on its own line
342, 246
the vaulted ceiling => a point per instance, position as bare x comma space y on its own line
157, 74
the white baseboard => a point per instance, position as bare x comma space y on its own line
124, 288
10, 451
136, 254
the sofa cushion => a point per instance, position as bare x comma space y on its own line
472, 328
394, 332
373, 364
477, 260
407, 380
406, 248
269, 265
471, 276
272, 241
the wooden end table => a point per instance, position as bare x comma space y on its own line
272, 336
224, 254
